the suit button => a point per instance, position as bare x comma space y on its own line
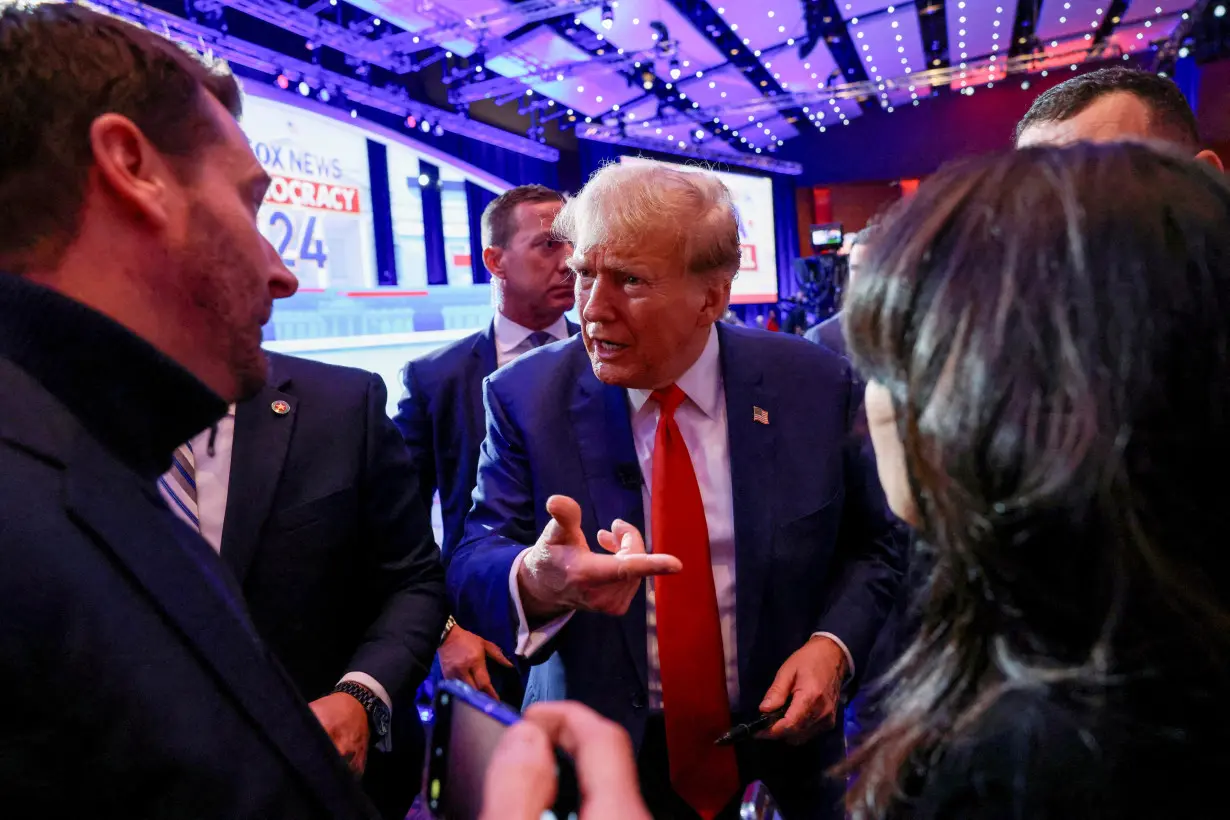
638, 701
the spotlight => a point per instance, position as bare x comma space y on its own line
411, 122
304, 88
675, 70
424, 180
354, 114
283, 81
608, 16
426, 126
439, 130
324, 95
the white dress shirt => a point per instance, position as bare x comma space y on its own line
702, 422
213, 481
511, 339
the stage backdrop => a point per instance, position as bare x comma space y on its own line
753, 196
340, 184
318, 211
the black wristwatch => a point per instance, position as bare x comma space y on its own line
377, 711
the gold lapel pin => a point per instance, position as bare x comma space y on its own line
280, 407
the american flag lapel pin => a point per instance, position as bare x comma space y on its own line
760, 415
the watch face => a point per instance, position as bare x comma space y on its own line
380, 717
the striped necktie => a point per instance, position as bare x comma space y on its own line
178, 486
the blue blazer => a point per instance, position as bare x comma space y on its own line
828, 333
135, 689
442, 420
816, 548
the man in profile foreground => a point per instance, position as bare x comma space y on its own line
731, 450
133, 291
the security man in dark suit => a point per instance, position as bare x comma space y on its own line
307, 492
133, 288
441, 415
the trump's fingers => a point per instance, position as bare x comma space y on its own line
800, 721
565, 524
628, 537
606, 540
632, 566
520, 782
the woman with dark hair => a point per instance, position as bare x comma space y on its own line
1047, 339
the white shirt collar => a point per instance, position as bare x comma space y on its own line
509, 335
702, 382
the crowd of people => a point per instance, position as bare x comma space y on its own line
977, 505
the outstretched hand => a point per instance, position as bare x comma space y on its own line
561, 573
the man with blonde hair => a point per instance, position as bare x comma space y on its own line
714, 461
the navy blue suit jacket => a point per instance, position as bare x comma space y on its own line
442, 419
135, 689
828, 333
327, 534
816, 549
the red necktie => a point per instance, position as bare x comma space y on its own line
693, 668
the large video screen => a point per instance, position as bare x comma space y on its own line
753, 196
318, 211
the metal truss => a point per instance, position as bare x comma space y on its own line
393, 100
1168, 53
516, 85
533, 11
943, 76
617, 136
322, 32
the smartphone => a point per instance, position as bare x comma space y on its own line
468, 726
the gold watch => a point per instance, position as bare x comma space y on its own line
448, 627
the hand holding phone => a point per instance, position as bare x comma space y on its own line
521, 780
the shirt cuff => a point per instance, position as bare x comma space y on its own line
844, 649
363, 679
529, 643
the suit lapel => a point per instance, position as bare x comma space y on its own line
483, 362
258, 453
753, 452
108, 504
601, 420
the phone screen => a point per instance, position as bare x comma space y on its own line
468, 728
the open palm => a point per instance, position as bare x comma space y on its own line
560, 573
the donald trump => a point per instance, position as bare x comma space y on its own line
673, 523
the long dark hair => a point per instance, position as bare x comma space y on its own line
1054, 328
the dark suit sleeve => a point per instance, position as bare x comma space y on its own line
415, 424
500, 525
405, 564
871, 545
